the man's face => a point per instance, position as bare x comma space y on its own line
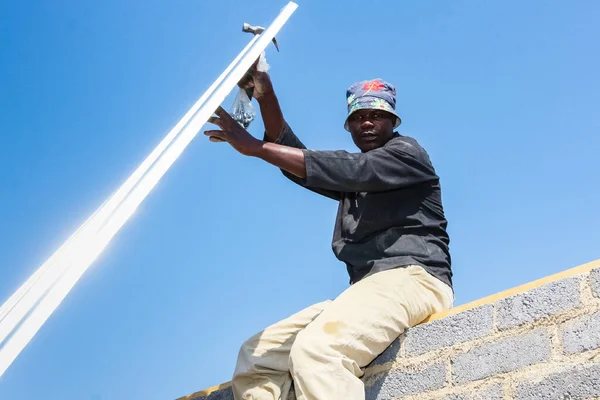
371, 129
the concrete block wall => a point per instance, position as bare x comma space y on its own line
538, 341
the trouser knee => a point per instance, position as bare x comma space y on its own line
316, 353
309, 350
246, 358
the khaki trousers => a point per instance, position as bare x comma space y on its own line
325, 347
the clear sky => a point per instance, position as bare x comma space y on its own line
504, 95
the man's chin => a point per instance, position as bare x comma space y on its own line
368, 147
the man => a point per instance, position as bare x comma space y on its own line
390, 232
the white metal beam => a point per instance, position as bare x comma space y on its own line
27, 310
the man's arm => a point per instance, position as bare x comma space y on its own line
264, 93
398, 164
287, 158
278, 132
393, 166
272, 116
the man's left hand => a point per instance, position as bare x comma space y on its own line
233, 133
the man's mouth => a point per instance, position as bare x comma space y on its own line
368, 136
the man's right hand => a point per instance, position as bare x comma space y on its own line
259, 80
265, 95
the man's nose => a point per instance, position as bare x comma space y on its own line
367, 123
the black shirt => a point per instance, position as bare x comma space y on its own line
390, 211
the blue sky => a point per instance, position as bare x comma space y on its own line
503, 95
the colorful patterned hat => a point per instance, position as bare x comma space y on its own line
375, 94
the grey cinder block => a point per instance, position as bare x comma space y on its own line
505, 355
582, 334
550, 299
448, 331
493, 392
397, 383
573, 384
595, 281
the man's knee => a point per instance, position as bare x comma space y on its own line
246, 355
319, 350
309, 349
302, 353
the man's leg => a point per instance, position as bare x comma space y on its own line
262, 369
327, 357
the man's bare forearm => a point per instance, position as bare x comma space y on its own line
272, 116
287, 158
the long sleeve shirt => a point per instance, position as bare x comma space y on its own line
390, 210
